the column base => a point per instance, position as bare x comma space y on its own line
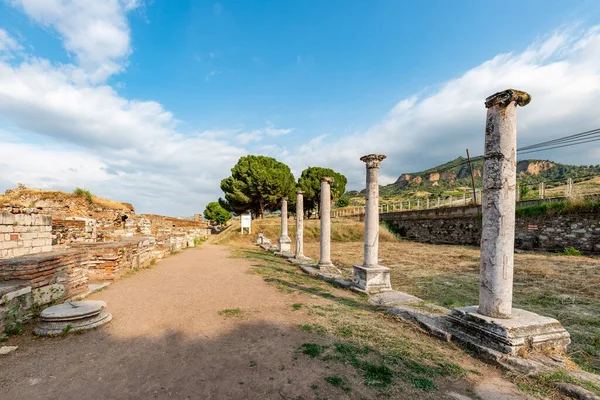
285, 244
525, 330
328, 268
300, 259
371, 279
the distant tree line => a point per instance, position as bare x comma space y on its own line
258, 183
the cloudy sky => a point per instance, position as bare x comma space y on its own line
153, 102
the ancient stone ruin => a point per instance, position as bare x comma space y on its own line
494, 328
61, 247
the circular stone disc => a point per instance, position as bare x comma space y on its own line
72, 310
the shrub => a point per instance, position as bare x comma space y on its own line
83, 193
571, 251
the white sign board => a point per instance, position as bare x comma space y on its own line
246, 222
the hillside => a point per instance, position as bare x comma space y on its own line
455, 177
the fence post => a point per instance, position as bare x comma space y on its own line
428, 203
409, 205
438, 201
465, 199
418, 204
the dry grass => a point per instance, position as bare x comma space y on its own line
34, 195
563, 287
390, 359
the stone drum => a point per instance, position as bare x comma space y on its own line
72, 316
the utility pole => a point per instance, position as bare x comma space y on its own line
472, 177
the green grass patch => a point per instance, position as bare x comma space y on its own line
231, 312
558, 208
312, 349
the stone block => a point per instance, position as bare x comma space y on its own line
47, 294
285, 244
524, 330
8, 245
372, 279
39, 242
29, 236
46, 249
6, 218
14, 294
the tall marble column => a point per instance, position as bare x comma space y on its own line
498, 203
285, 243
370, 277
494, 324
325, 263
300, 225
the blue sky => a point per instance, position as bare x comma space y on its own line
153, 102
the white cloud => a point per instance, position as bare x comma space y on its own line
95, 32
561, 73
272, 131
8, 44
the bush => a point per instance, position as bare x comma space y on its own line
571, 251
83, 193
342, 202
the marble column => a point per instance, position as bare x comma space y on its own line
325, 263
285, 243
494, 326
300, 225
498, 203
370, 277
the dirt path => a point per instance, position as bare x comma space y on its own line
168, 340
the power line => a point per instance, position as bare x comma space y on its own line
565, 139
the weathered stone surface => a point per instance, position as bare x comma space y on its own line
4, 350
72, 310
524, 330
498, 204
299, 225
325, 264
52, 328
370, 277
393, 298
72, 316
576, 392
285, 243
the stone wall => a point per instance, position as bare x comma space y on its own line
110, 260
36, 280
23, 234
73, 230
462, 225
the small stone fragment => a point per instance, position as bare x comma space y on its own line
7, 349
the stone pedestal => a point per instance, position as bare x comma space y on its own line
285, 243
370, 277
524, 330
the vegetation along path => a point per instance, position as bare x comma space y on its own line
217, 323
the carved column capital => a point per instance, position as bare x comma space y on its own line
327, 179
505, 97
373, 160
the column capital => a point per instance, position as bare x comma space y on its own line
505, 97
284, 198
300, 192
327, 179
373, 160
